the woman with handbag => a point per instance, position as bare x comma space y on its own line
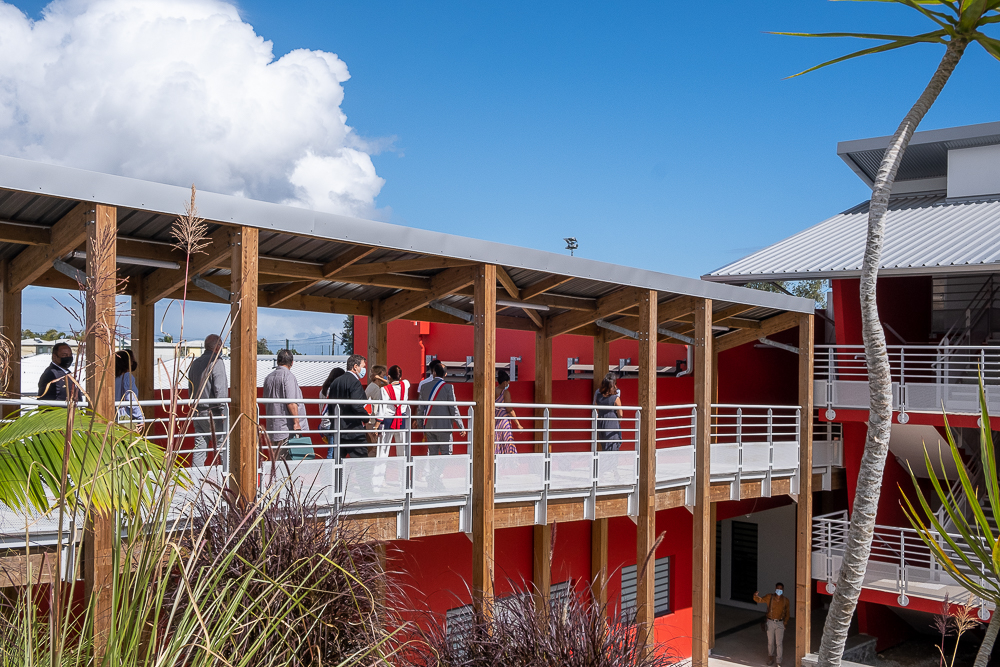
398, 414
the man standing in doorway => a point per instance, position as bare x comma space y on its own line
207, 381
289, 414
778, 610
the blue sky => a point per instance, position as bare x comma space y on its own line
659, 137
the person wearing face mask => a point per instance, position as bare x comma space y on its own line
778, 610
54, 385
353, 416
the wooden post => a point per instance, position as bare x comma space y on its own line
378, 338
102, 280
484, 348
704, 531
646, 524
243, 442
10, 328
144, 345
713, 520
803, 516
542, 565
599, 527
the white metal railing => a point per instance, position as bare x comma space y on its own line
924, 378
900, 563
755, 442
676, 438
562, 451
828, 451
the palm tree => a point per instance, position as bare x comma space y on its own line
958, 23
972, 557
48, 460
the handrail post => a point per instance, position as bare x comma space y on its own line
590, 507
542, 509
403, 521
338, 466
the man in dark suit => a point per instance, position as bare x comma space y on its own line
352, 415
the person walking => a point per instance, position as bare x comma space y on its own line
378, 410
326, 423
352, 415
288, 415
436, 420
504, 439
608, 396
54, 383
127, 389
207, 381
394, 424
778, 611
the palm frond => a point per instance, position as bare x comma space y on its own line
897, 42
109, 466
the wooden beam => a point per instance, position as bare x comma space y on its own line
767, 327
543, 285
130, 247
14, 232
67, 235
101, 325
322, 304
243, 437
612, 304
10, 328
403, 266
330, 270
144, 346
542, 538
713, 521
162, 282
483, 435
646, 523
508, 283
378, 338
704, 531
599, 563
803, 516
441, 285
666, 312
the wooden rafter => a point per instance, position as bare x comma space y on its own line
612, 304
666, 312
162, 282
515, 293
403, 266
441, 285
767, 327
67, 235
13, 232
543, 285
329, 271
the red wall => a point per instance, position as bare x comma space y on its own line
904, 303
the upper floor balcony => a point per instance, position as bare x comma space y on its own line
925, 378
566, 462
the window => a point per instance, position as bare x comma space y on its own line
559, 593
743, 565
661, 589
458, 622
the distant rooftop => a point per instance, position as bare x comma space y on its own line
944, 215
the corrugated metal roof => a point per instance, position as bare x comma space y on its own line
923, 234
41, 193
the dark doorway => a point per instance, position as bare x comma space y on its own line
718, 559
743, 582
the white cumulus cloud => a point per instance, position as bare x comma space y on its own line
180, 91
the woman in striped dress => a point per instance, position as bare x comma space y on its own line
504, 438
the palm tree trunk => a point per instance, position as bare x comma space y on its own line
869, 484
986, 648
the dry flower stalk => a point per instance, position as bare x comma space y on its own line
190, 231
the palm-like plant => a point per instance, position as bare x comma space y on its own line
977, 550
958, 23
46, 453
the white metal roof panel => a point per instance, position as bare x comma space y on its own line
923, 234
